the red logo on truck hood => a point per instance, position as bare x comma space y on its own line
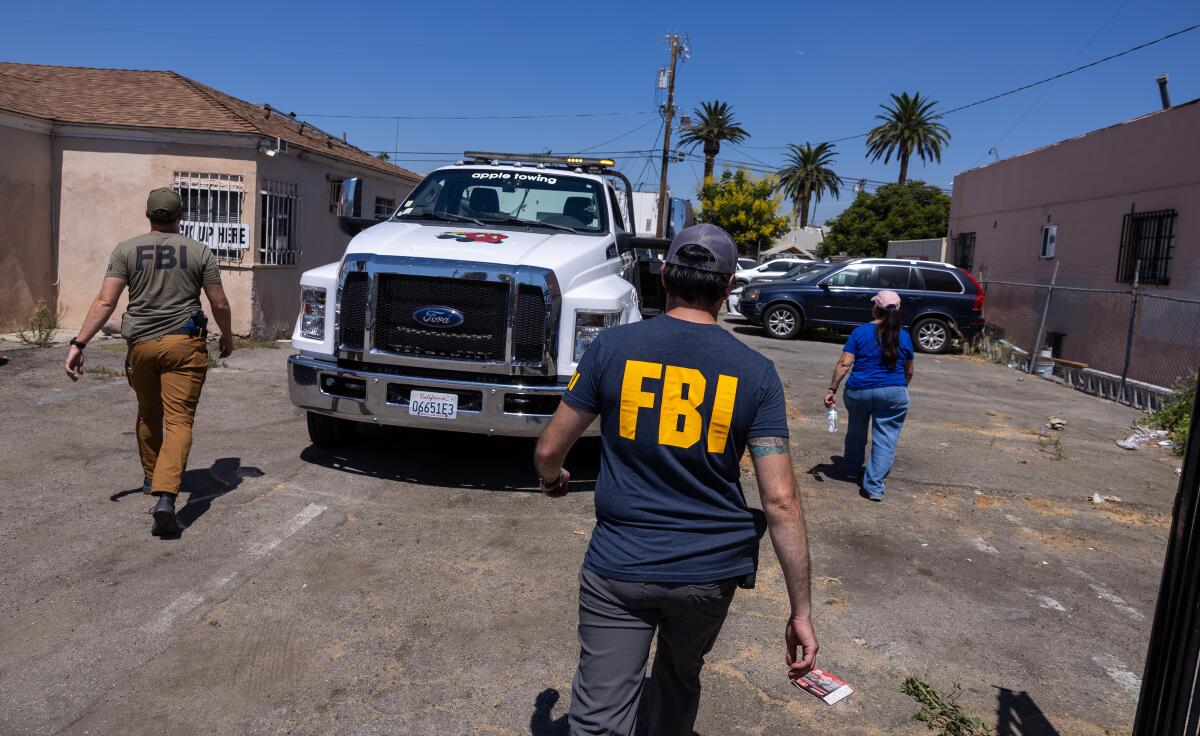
464, 237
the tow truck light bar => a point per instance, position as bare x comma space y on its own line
539, 158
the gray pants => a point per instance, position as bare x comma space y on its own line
617, 621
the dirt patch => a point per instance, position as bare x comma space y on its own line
988, 502
1135, 516
1047, 507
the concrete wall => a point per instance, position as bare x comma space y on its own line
277, 288
26, 255
104, 183
930, 249
1086, 185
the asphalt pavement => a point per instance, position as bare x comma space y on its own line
417, 583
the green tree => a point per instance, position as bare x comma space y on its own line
807, 174
910, 211
744, 207
909, 126
383, 156
714, 123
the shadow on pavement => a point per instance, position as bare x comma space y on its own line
202, 487
540, 723
1018, 715
450, 459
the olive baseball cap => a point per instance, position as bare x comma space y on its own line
712, 239
163, 204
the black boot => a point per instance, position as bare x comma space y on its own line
164, 516
146, 486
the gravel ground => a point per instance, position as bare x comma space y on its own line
416, 583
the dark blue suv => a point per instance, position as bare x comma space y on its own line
938, 302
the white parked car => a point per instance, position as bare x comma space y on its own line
770, 270
469, 309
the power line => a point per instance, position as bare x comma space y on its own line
631, 131
480, 117
1031, 85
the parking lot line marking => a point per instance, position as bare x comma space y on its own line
1106, 594
1119, 673
188, 601
1117, 601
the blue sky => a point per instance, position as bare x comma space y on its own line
793, 71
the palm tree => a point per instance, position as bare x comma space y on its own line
714, 123
807, 174
909, 126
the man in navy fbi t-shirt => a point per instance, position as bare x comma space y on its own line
679, 400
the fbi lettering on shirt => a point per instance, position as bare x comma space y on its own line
679, 394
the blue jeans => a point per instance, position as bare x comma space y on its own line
884, 409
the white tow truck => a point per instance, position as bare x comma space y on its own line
468, 309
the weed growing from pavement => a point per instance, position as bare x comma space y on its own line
1175, 416
102, 372
213, 362
940, 713
114, 347
41, 326
247, 343
1054, 447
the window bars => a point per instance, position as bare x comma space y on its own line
213, 199
279, 234
1147, 239
384, 207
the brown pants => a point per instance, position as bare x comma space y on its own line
167, 374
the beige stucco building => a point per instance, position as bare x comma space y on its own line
81, 148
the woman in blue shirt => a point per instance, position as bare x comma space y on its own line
879, 358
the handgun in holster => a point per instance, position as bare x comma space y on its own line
197, 323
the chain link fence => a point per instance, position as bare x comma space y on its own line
1126, 344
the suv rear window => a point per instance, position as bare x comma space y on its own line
936, 280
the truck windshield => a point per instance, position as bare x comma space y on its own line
533, 198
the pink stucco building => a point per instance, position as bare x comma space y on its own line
80, 149
1101, 207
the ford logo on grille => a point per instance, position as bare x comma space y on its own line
439, 317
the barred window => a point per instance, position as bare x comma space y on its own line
212, 212
384, 207
279, 231
1147, 239
964, 251
335, 194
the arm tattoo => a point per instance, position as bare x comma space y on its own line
763, 446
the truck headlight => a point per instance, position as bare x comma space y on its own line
750, 295
588, 324
312, 312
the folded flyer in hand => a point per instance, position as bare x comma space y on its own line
824, 685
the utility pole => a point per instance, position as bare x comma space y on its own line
678, 48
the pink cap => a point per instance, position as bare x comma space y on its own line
886, 299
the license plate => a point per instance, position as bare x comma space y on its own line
433, 404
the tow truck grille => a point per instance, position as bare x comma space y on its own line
353, 312
529, 326
480, 337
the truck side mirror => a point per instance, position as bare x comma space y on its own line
349, 208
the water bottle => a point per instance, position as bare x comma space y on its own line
831, 420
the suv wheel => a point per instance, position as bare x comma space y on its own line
782, 322
932, 335
327, 431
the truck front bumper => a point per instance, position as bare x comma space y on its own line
509, 410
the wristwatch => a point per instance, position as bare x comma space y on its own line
77, 344
543, 485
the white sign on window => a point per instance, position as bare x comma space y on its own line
220, 236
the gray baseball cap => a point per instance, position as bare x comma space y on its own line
712, 239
